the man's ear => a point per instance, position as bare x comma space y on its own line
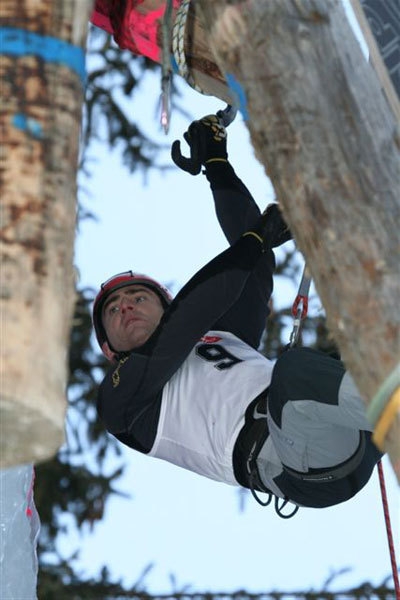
108, 353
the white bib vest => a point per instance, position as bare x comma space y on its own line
204, 403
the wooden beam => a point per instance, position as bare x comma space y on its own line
376, 60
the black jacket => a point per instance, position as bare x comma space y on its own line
231, 293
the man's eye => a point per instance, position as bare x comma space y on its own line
139, 299
113, 309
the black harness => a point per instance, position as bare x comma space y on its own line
248, 445
249, 442
251, 439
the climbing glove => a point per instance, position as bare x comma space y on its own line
271, 228
207, 142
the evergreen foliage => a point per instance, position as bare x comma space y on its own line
114, 79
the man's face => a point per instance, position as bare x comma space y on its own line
130, 315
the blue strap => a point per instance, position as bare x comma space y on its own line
21, 42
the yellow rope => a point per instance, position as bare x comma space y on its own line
216, 160
386, 419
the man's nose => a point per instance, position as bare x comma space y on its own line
126, 304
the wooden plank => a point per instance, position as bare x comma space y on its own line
376, 59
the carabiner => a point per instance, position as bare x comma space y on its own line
300, 299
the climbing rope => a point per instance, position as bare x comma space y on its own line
178, 45
386, 513
386, 419
178, 52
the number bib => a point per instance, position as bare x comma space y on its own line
204, 403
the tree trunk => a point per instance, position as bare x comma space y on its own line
42, 68
329, 142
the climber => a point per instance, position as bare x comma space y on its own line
187, 383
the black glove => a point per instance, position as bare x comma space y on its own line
271, 228
207, 141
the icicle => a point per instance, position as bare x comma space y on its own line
19, 527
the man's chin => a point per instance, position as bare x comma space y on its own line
136, 342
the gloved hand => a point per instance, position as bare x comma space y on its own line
271, 228
207, 142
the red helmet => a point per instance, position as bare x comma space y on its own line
116, 282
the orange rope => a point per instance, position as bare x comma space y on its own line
389, 530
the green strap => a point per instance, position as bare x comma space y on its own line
379, 401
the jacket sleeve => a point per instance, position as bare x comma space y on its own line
235, 207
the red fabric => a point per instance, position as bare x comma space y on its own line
101, 21
135, 29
